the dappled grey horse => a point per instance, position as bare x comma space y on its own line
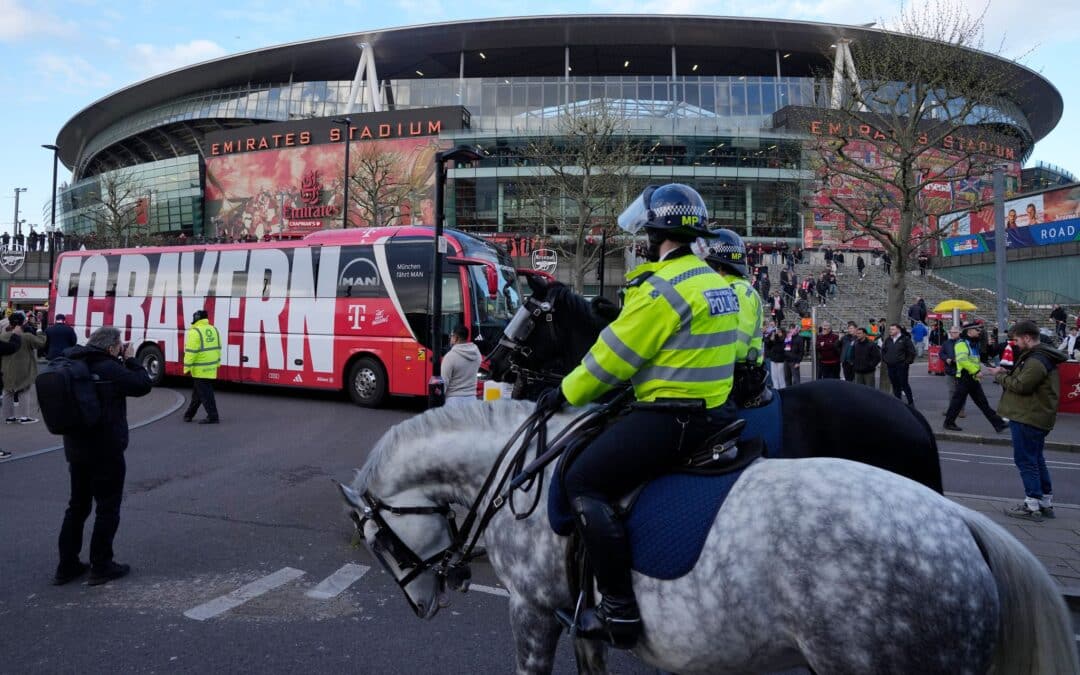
820, 562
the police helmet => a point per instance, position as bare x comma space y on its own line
199, 315
675, 209
726, 249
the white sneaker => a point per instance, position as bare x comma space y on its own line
4, 454
11, 420
27, 420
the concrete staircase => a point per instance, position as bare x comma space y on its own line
860, 300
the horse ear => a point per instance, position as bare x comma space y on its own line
352, 498
605, 309
538, 284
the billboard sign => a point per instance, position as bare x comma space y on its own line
1042, 219
287, 179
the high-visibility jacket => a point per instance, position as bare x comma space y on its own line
750, 318
967, 358
675, 337
202, 350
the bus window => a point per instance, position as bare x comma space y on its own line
493, 313
453, 308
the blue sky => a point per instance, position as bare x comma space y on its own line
60, 56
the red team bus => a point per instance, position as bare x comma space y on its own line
338, 309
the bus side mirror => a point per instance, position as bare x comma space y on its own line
492, 282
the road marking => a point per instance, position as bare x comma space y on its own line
490, 590
333, 585
224, 603
1059, 462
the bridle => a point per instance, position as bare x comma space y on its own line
517, 333
451, 565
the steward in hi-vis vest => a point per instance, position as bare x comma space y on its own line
968, 370
675, 343
726, 253
202, 357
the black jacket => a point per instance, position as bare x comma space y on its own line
798, 349
865, 356
774, 346
59, 337
897, 351
117, 380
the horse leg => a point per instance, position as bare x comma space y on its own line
590, 657
536, 634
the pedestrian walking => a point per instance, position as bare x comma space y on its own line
948, 357
898, 353
20, 369
847, 343
860, 264
918, 337
968, 372
938, 336
828, 353
1060, 318
865, 356
202, 356
1029, 399
96, 459
7, 347
59, 337
793, 355
459, 368
1071, 344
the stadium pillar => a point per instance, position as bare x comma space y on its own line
1000, 249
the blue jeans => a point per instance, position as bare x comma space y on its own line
1028, 442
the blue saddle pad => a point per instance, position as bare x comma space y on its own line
671, 518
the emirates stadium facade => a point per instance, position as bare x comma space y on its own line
700, 94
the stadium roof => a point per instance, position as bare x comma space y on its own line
527, 46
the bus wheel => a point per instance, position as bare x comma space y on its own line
151, 358
367, 382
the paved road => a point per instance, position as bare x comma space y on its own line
989, 470
242, 558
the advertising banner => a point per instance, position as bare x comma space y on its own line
1032, 220
287, 178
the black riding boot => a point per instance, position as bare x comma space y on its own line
616, 620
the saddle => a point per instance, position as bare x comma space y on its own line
667, 517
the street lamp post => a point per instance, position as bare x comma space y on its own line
345, 196
15, 222
459, 154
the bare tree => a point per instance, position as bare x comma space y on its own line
923, 114
116, 214
382, 182
583, 178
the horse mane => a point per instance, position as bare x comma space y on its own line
500, 418
560, 294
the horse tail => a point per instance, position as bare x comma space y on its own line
933, 480
1035, 630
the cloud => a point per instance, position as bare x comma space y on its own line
20, 23
70, 73
156, 59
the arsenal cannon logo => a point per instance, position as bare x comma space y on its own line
12, 258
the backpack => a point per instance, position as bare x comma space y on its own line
67, 396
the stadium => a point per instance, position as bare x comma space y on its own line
705, 96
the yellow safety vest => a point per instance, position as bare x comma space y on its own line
965, 359
202, 350
675, 337
750, 318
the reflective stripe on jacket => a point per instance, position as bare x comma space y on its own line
675, 337
202, 350
967, 359
750, 319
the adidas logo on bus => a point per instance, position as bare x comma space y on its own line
298, 378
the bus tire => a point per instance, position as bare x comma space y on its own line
151, 358
367, 382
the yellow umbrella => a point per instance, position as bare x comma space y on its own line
955, 306
950, 305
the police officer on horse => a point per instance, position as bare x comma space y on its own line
726, 254
674, 341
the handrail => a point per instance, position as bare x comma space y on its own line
1020, 296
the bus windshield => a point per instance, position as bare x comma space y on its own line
493, 313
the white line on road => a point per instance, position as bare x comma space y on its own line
490, 590
333, 585
224, 603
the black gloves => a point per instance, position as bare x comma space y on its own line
551, 401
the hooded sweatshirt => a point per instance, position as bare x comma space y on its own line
459, 369
1031, 388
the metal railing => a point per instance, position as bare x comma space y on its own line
1023, 297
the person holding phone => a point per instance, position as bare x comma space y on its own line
20, 370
